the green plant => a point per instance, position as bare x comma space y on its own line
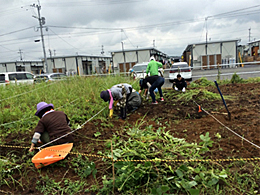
83, 167
236, 79
206, 142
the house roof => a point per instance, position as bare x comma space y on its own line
138, 49
210, 42
22, 61
73, 56
255, 41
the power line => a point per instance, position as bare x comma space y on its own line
16, 31
225, 13
91, 3
63, 40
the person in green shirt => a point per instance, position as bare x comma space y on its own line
153, 67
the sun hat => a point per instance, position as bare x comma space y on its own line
105, 95
41, 106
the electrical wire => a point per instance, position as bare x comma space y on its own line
16, 31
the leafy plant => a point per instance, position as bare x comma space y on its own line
236, 79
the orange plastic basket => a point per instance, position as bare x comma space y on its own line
51, 155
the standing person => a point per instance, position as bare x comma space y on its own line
52, 124
151, 83
153, 66
179, 84
120, 93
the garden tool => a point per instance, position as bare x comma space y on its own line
229, 115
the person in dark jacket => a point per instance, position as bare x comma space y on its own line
134, 101
150, 84
52, 124
120, 93
179, 84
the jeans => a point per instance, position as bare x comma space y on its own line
157, 84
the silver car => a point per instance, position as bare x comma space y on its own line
49, 77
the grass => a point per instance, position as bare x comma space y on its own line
79, 99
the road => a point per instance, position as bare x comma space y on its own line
225, 73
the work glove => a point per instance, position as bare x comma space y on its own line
176, 88
111, 113
183, 89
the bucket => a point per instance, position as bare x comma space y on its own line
51, 155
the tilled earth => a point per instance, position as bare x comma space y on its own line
183, 120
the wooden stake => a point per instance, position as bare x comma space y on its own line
219, 113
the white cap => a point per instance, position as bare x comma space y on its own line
152, 58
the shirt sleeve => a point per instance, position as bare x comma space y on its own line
159, 64
116, 93
40, 127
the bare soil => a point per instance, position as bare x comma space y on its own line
182, 119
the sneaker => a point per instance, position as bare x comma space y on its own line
162, 100
155, 102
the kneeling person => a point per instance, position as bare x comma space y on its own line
52, 124
179, 84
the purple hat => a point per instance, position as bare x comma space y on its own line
41, 106
105, 95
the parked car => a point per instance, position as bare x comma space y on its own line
139, 70
7, 78
181, 68
49, 77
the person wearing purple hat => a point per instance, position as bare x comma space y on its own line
52, 124
120, 93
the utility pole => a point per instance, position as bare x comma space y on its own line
102, 50
249, 34
206, 47
41, 23
123, 55
20, 52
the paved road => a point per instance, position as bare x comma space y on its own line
225, 73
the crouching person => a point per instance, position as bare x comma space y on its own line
134, 101
179, 84
150, 84
52, 124
120, 93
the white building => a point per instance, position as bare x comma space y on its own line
70, 65
125, 59
206, 54
19, 66
79, 64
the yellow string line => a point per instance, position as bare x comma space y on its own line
148, 160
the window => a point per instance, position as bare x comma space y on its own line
29, 76
12, 77
55, 76
2, 78
140, 68
21, 76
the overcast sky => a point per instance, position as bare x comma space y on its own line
83, 26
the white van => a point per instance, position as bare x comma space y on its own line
7, 78
139, 70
